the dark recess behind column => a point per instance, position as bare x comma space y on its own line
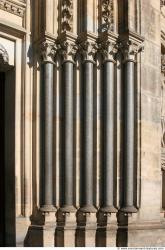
2, 160
7, 159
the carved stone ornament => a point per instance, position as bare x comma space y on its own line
163, 63
67, 15
130, 49
107, 15
162, 3
48, 51
88, 50
108, 49
11, 7
4, 58
68, 50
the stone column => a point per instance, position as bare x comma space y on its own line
86, 232
43, 221
106, 234
48, 52
129, 50
108, 51
66, 216
68, 51
88, 49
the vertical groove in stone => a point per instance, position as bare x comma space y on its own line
78, 129
89, 15
58, 119
27, 127
119, 130
97, 130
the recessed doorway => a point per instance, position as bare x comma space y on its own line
7, 156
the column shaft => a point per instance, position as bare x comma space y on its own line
109, 136
47, 135
87, 189
129, 136
68, 132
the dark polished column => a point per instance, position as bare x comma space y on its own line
87, 201
68, 51
129, 137
88, 137
129, 51
68, 132
108, 50
47, 126
109, 138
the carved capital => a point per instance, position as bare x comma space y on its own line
130, 49
67, 46
87, 46
67, 15
4, 57
48, 51
88, 50
108, 49
68, 50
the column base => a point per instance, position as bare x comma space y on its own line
41, 232
106, 229
88, 209
48, 208
129, 209
68, 209
66, 227
86, 227
108, 209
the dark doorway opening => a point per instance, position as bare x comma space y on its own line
2, 159
7, 158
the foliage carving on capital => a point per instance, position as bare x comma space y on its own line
4, 57
68, 50
48, 51
108, 49
88, 50
67, 15
130, 49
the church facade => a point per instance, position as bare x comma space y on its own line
82, 123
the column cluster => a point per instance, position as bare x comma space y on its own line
83, 63
87, 45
